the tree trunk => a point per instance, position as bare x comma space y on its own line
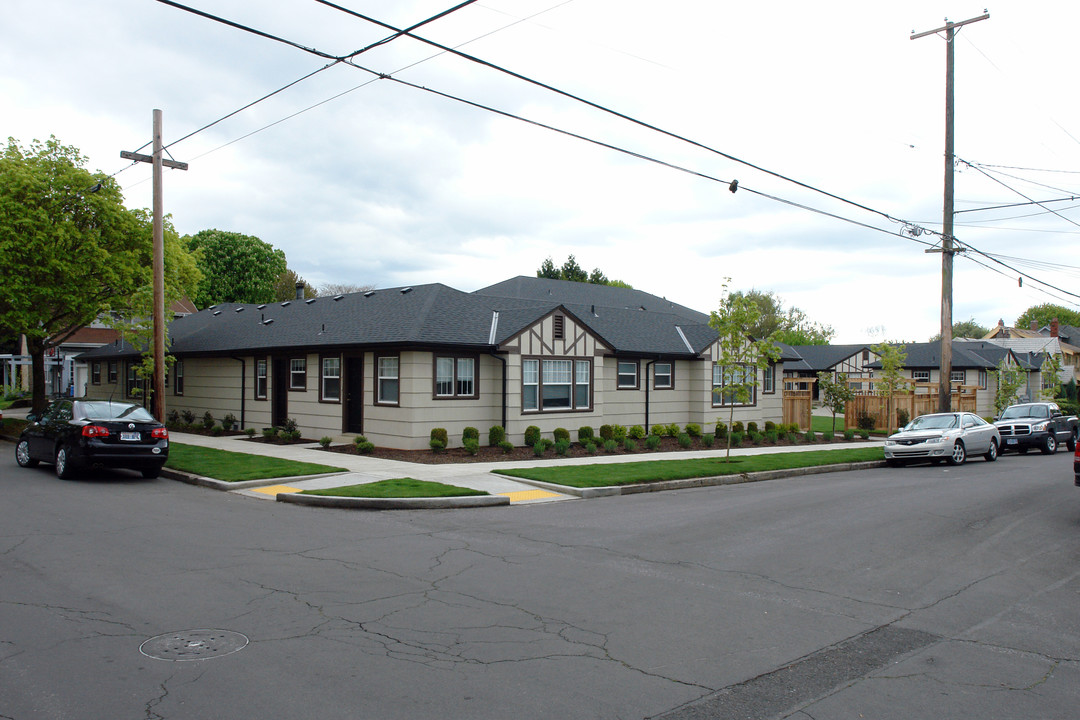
36, 348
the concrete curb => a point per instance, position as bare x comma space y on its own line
608, 491
215, 484
351, 503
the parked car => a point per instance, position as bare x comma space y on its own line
74, 434
1039, 425
943, 436
1076, 466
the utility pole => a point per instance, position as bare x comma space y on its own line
947, 250
159, 262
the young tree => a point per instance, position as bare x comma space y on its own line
836, 394
68, 247
741, 355
893, 382
1051, 373
236, 268
1009, 380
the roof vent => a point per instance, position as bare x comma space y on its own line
286, 303
308, 302
406, 290
239, 309
211, 307
369, 293
260, 307
268, 321
216, 313
338, 297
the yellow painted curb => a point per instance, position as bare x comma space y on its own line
275, 489
523, 495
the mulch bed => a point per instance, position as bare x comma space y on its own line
489, 454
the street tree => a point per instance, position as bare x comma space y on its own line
236, 268
1051, 373
1043, 314
893, 382
1009, 380
69, 249
741, 356
836, 394
790, 326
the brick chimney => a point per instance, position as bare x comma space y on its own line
1034, 326
1054, 327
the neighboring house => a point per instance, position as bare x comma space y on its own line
392, 364
1063, 340
973, 366
852, 360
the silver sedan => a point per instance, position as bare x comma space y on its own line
943, 436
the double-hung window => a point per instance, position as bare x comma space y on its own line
95, 373
768, 379
387, 380
554, 385
455, 377
733, 385
132, 380
330, 379
298, 374
958, 376
112, 372
260, 379
921, 376
663, 377
178, 377
627, 375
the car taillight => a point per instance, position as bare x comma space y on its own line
160, 433
92, 431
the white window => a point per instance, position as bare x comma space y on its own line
982, 379
662, 377
455, 377
466, 377
387, 381
768, 379
298, 374
733, 385
582, 384
178, 377
555, 385
958, 376
628, 374
331, 379
920, 375
530, 385
444, 376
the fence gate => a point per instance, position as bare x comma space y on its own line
798, 399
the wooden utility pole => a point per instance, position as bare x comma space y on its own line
947, 250
159, 262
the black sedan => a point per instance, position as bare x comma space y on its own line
74, 434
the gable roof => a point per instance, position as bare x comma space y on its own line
973, 354
822, 357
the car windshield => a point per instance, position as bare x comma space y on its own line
105, 410
1025, 411
933, 422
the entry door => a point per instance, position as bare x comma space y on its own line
280, 410
354, 395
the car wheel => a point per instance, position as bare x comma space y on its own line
1049, 446
22, 454
151, 473
992, 453
959, 454
65, 470
1071, 442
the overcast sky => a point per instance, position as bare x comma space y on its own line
388, 184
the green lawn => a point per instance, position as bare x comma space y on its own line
397, 488
586, 476
236, 467
823, 423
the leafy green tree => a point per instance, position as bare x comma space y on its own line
549, 271
741, 356
1043, 314
573, 272
1009, 380
285, 286
893, 382
964, 329
790, 326
69, 249
1051, 373
236, 268
836, 394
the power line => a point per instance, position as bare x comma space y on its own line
1005, 185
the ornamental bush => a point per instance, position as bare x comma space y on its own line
736, 439
618, 433
771, 436
721, 431
636, 432
605, 432
325, 441
652, 442
811, 436
539, 448
365, 448
562, 447
849, 434
441, 435
470, 433
737, 427
436, 445
629, 445
751, 427
532, 435
685, 441
865, 421
207, 420
496, 434
472, 445
561, 434
693, 430
590, 447
229, 421
585, 434
769, 426
657, 430
610, 446
189, 417
673, 430
506, 446
707, 440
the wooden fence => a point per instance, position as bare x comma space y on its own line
915, 403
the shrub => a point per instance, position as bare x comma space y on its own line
539, 448
708, 439
810, 436
769, 426
217, 431
325, 441
229, 421
561, 434
365, 448
442, 436
864, 434
685, 440
721, 431
751, 427
693, 430
172, 417
793, 438
584, 434
637, 432
189, 417
902, 417
207, 420
618, 433
250, 432
657, 430
496, 434
673, 430
472, 445
827, 436
610, 446
506, 446
532, 435
291, 435
605, 432
865, 421
849, 434
629, 445
289, 426
756, 438
652, 442
436, 445
562, 446
772, 436
737, 427
736, 439
791, 428
270, 433
590, 447
470, 433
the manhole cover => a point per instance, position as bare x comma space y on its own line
188, 645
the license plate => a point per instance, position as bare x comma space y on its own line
1010, 441
133, 436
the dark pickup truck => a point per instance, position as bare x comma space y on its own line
1039, 425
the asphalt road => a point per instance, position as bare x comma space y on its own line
924, 592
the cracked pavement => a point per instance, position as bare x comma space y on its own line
921, 592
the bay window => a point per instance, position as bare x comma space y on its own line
554, 385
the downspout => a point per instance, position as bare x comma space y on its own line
504, 385
243, 390
647, 366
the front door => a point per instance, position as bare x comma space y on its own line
279, 411
354, 395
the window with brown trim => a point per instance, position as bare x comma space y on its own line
95, 373
663, 375
260, 378
330, 379
112, 377
768, 380
734, 385
455, 377
298, 373
627, 375
556, 384
387, 379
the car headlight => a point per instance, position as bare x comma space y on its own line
889, 441
1039, 427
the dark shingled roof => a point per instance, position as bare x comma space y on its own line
816, 358
966, 354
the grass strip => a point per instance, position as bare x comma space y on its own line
588, 476
237, 467
397, 488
